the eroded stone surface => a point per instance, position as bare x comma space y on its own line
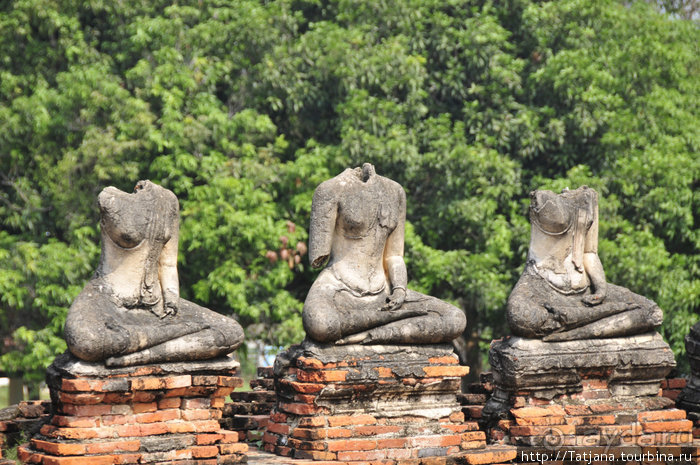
67, 365
582, 346
357, 225
631, 365
130, 312
562, 294
329, 353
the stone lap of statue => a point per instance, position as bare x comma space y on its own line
130, 312
562, 294
357, 223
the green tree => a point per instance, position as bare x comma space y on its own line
243, 108
113, 93
469, 105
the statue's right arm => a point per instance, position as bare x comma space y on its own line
324, 211
167, 261
591, 260
394, 263
167, 273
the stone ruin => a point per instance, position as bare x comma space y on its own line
585, 364
376, 381
360, 296
146, 373
130, 312
376, 378
369, 402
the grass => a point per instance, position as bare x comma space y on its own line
11, 453
4, 396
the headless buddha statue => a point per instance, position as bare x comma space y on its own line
130, 312
562, 294
360, 297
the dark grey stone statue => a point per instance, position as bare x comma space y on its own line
357, 224
690, 397
130, 312
562, 294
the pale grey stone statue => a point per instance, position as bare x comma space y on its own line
562, 294
130, 312
360, 297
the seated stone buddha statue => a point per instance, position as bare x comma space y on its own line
130, 312
360, 297
562, 294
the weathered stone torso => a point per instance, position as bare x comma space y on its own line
562, 294
357, 224
130, 312
366, 217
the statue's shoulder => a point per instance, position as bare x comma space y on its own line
393, 184
349, 179
327, 190
392, 187
337, 181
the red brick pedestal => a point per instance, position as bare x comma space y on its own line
594, 418
249, 411
568, 399
152, 414
18, 422
386, 404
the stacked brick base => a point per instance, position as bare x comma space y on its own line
689, 398
3, 460
385, 404
593, 426
475, 397
21, 421
154, 414
672, 387
248, 412
594, 418
491, 455
558, 403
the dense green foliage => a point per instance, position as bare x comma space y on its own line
242, 108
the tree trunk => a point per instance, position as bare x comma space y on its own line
34, 391
16, 390
467, 348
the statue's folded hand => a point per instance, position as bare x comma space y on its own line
160, 312
395, 300
169, 311
171, 303
593, 299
